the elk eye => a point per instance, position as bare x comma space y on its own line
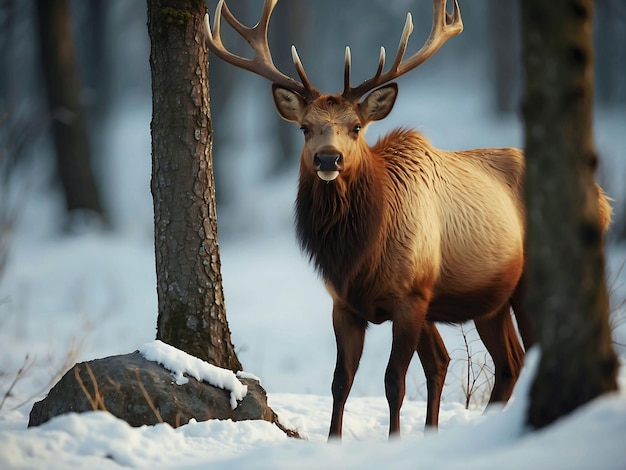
356, 129
305, 129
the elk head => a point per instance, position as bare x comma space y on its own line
333, 125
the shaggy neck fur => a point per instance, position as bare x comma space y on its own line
338, 223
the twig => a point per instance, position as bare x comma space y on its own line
17, 377
470, 384
70, 357
618, 313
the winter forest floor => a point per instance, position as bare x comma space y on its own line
69, 298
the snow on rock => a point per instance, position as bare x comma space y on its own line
180, 364
248, 375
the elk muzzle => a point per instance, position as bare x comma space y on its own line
328, 165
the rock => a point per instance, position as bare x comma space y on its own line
141, 392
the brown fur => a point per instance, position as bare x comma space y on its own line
358, 229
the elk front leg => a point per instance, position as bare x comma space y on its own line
350, 335
407, 325
435, 359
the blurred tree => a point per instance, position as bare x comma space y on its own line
567, 289
292, 29
6, 14
69, 130
192, 316
224, 78
18, 133
504, 26
610, 86
289, 27
91, 18
94, 55
610, 41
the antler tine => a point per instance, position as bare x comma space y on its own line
346, 71
381, 62
262, 63
404, 41
444, 27
300, 69
347, 89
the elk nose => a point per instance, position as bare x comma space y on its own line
327, 162
327, 165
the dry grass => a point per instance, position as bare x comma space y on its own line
96, 398
96, 401
150, 402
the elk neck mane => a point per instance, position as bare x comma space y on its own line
339, 223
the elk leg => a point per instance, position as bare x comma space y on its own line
500, 338
406, 329
524, 324
435, 359
349, 335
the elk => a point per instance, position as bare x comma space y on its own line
401, 230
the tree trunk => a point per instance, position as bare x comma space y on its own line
192, 315
567, 289
69, 129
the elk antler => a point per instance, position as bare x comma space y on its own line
445, 25
262, 63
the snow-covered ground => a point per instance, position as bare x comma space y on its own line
592, 437
68, 298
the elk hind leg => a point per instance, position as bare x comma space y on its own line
350, 336
524, 322
435, 359
500, 338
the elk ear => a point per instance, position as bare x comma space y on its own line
290, 104
379, 103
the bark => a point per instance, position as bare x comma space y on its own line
192, 316
69, 129
567, 294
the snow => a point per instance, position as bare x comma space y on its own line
180, 364
91, 294
592, 437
